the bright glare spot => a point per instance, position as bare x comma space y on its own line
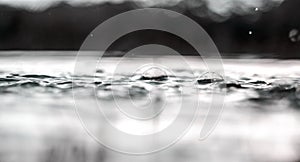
256, 9
250, 32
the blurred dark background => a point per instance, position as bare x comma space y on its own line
271, 32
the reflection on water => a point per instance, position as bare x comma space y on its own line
38, 123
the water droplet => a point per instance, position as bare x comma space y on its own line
209, 77
154, 73
294, 35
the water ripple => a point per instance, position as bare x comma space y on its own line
125, 86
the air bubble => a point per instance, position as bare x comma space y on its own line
294, 35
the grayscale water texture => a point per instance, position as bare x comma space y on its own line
38, 123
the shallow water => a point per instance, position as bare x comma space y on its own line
38, 121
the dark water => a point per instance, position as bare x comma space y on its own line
38, 122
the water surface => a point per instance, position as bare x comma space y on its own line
38, 122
